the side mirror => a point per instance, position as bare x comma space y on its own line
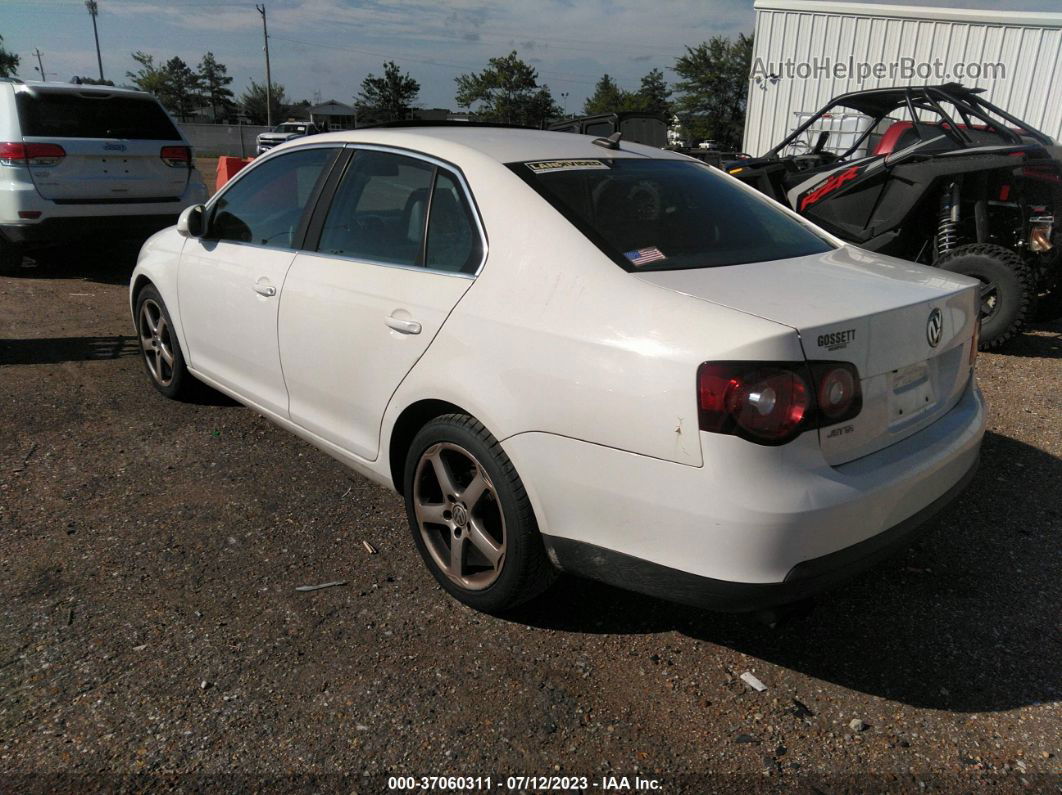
191, 221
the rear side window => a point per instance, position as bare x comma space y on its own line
66, 115
265, 205
380, 209
454, 243
668, 214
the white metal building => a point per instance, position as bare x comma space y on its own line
1015, 56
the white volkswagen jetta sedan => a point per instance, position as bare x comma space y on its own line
568, 354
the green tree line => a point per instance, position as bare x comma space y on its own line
709, 95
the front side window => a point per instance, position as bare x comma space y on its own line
649, 214
265, 206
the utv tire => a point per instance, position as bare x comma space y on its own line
162, 355
470, 516
1008, 292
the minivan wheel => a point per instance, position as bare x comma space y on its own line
163, 359
470, 516
1008, 288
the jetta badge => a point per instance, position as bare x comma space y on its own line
935, 327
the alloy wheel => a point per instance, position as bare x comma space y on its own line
459, 516
156, 341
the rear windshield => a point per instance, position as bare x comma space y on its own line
651, 215
63, 115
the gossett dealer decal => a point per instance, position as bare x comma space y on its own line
828, 187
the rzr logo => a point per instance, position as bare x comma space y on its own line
828, 187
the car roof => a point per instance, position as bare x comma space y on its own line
77, 88
504, 144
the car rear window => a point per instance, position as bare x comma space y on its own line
650, 214
66, 115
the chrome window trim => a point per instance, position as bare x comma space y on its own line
396, 150
379, 264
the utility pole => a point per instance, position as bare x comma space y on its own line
93, 9
269, 78
40, 64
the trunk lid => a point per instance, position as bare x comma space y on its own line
881, 314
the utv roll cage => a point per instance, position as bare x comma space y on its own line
877, 103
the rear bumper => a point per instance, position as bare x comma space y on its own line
67, 229
803, 580
754, 525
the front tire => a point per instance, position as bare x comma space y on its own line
161, 350
1008, 292
470, 516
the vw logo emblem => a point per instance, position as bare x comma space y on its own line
935, 327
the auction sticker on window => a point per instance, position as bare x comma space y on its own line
549, 166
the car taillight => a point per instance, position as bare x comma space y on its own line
838, 392
13, 153
774, 402
176, 156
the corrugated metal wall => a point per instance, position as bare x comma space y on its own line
1031, 53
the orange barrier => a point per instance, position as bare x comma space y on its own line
228, 167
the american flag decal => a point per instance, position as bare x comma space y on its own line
642, 256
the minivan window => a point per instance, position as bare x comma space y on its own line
92, 115
380, 209
265, 205
655, 214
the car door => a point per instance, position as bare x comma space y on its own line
229, 280
397, 248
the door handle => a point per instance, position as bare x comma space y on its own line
263, 287
402, 325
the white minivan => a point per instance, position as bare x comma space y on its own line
77, 161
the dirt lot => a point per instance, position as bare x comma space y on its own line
151, 636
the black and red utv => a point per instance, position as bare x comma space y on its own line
937, 175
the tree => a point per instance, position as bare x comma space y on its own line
508, 91
714, 87
148, 77
174, 84
654, 94
387, 98
608, 97
183, 88
215, 81
253, 102
8, 61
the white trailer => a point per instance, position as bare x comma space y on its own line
809, 51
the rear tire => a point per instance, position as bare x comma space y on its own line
470, 516
1008, 294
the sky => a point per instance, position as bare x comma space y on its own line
324, 48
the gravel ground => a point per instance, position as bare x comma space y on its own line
151, 637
